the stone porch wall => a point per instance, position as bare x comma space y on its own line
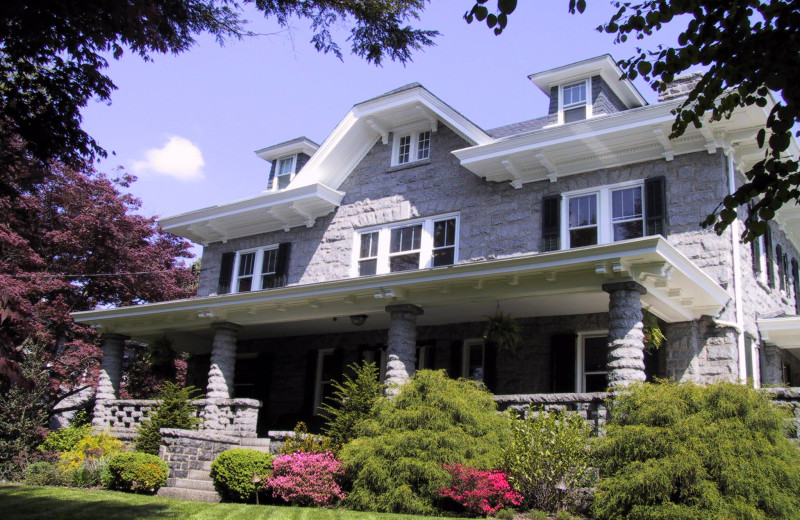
185, 450
591, 407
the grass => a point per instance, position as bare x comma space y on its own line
55, 503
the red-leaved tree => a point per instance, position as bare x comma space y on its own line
70, 241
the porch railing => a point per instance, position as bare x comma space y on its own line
589, 406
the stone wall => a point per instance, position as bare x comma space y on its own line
701, 352
185, 450
590, 406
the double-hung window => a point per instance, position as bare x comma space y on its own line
416, 244
284, 171
592, 358
256, 269
573, 101
600, 216
411, 147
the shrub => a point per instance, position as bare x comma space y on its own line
544, 448
480, 492
304, 442
397, 465
64, 439
174, 410
232, 473
135, 471
99, 446
88, 475
354, 401
683, 451
44, 474
306, 479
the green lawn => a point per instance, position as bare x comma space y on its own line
34, 503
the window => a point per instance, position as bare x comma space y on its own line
592, 358
256, 269
408, 246
376, 355
328, 370
573, 102
606, 215
411, 147
472, 359
284, 171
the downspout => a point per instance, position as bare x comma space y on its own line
737, 281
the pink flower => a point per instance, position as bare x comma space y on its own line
480, 492
306, 479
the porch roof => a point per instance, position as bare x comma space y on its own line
545, 284
783, 332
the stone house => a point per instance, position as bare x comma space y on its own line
396, 237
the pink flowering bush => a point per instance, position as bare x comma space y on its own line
480, 492
306, 479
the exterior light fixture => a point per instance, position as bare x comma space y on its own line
358, 319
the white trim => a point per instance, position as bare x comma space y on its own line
384, 243
291, 173
587, 82
580, 352
321, 353
465, 360
258, 264
605, 223
413, 132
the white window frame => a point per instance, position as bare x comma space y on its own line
318, 382
384, 243
465, 352
414, 133
580, 351
605, 224
291, 173
562, 107
257, 267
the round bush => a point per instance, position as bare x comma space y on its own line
137, 472
44, 474
232, 473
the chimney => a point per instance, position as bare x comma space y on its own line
680, 86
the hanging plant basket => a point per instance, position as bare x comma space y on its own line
653, 337
503, 331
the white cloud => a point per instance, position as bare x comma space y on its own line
178, 158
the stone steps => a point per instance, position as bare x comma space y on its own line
189, 494
189, 483
199, 474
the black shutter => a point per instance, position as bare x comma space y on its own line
262, 391
271, 174
551, 223
768, 253
655, 206
225, 273
455, 359
490, 366
779, 264
282, 264
310, 383
796, 282
562, 353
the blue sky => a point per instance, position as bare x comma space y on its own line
187, 125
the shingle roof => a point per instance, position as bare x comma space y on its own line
518, 128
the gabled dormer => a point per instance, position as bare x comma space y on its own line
587, 89
287, 159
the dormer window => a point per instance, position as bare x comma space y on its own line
573, 102
411, 147
284, 171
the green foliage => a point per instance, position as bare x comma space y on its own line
544, 448
135, 471
87, 475
232, 473
302, 441
653, 337
23, 409
688, 452
503, 331
396, 466
44, 474
91, 446
174, 410
354, 401
65, 439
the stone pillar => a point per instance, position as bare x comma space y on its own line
772, 367
625, 337
110, 376
401, 354
220, 375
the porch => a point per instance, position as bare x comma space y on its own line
580, 311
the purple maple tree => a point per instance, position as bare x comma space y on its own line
70, 240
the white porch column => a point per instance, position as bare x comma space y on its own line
220, 375
625, 337
401, 353
110, 376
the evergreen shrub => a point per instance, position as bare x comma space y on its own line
354, 401
174, 410
304, 442
306, 479
232, 473
546, 447
98, 446
64, 439
396, 465
681, 451
44, 474
135, 471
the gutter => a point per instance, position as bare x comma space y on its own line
737, 280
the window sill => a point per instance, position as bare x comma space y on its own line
408, 165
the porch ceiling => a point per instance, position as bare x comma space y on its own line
783, 332
546, 284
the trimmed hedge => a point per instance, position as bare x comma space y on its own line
232, 473
137, 472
